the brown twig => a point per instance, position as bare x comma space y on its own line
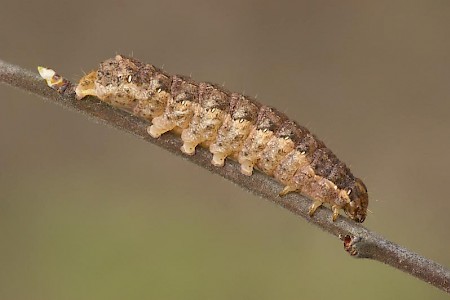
358, 241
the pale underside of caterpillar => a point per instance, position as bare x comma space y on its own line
231, 125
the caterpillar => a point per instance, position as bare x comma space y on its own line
231, 125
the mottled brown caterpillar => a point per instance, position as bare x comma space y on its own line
231, 125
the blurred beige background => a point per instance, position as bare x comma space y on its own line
87, 212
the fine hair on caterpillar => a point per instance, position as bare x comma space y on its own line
231, 125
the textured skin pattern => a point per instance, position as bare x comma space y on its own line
230, 125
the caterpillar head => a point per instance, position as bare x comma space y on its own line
358, 200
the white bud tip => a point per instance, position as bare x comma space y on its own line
45, 73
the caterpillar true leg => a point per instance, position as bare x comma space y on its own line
316, 204
335, 208
287, 189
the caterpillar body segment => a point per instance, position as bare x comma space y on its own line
214, 104
230, 125
235, 129
267, 123
180, 107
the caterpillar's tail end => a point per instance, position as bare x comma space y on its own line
86, 86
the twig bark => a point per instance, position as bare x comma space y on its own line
358, 241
